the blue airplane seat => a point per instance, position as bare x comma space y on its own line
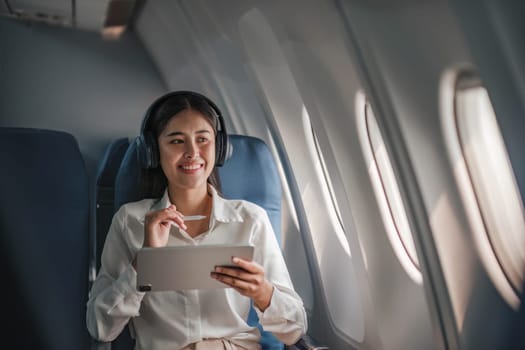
105, 190
249, 174
44, 225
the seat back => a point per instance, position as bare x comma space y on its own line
105, 177
250, 173
44, 219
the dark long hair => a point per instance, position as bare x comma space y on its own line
153, 181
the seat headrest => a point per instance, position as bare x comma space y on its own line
110, 162
127, 181
251, 174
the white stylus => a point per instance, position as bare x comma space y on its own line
188, 218
193, 217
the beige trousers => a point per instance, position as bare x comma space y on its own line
213, 344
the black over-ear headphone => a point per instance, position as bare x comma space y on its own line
146, 142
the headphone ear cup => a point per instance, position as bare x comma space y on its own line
147, 151
228, 149
223, 149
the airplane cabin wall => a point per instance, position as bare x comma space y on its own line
71, 80
408, 49
329, 81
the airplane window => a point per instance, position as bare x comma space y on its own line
498, 204
331, 245
328, 191
387, 192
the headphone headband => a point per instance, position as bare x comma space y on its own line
147, 144
160, 101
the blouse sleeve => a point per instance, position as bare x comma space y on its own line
113, 298
286, 316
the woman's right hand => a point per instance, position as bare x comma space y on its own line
157, 226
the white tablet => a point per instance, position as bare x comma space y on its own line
185, 267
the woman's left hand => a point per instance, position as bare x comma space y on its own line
246, 277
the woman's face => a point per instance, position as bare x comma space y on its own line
187, 150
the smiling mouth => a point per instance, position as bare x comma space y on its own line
191, 167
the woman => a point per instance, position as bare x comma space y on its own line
182, 140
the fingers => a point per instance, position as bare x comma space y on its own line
165, 217
242, 269
248, 279
245, 276
247, 265
157, 226
235, 279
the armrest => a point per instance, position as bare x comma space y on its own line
306, 343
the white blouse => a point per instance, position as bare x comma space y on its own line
174, 319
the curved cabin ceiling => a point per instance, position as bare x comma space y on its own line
110, 17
